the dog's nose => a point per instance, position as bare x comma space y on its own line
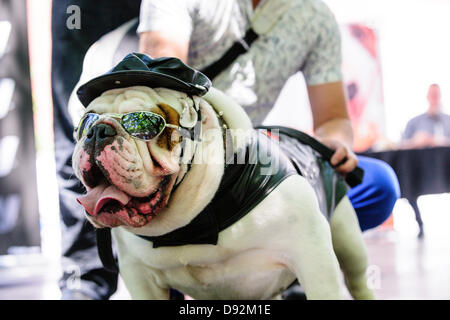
100, 134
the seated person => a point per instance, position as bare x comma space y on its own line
431, 128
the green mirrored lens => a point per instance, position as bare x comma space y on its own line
86, 123
143, 125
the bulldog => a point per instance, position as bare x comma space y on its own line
153, 156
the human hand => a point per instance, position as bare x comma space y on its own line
344, 160
423, 139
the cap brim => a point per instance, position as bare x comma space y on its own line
122, 79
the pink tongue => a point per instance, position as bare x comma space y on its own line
95, 198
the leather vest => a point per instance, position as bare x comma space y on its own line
251, 174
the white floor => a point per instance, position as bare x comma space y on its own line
401, 266
409, 268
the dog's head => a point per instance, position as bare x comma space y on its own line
129, 180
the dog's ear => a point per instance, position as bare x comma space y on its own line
189, 116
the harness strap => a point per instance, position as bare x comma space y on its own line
105, 251
353, 178
239, 47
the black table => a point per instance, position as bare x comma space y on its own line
419, 172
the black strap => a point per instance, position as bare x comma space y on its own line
239, 47
203, 229
352, 178
105, 251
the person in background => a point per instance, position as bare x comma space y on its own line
302, 37
431, 128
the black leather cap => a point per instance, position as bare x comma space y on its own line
138, 69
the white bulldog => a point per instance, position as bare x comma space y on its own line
130, 183
131, 188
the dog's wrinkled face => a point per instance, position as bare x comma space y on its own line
129, 181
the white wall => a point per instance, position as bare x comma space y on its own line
414, 45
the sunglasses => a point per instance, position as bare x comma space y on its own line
142, 125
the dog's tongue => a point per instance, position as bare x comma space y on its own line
95, 198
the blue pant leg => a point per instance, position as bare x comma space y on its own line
375, 197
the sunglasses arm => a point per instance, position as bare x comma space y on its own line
172, 126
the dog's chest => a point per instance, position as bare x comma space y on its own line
251, 274
213, 272
249, 261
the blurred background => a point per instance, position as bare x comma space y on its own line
392, 52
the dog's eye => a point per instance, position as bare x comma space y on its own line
86, 123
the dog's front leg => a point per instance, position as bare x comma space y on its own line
310, 249
142, 282
315, 264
